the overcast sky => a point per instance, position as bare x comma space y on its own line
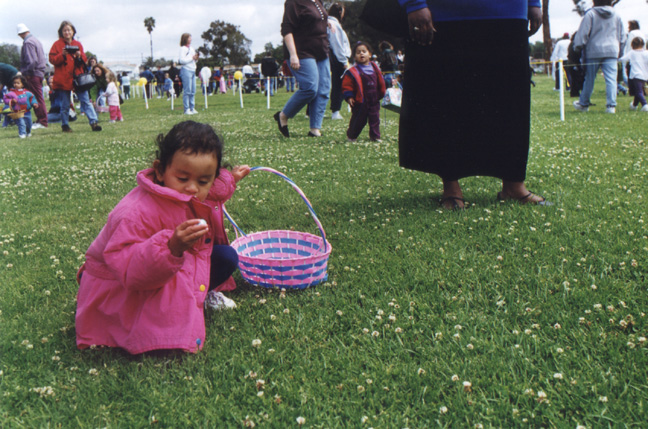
114, 30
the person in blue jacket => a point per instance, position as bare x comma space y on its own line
466, 94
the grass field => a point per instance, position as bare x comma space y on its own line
501, 315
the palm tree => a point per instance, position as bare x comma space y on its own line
149, 23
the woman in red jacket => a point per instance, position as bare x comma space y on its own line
69, 60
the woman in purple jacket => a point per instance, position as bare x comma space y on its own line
466, 105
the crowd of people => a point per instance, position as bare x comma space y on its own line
602, 43
164, 255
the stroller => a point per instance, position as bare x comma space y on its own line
251, 83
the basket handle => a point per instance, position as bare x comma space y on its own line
296, 188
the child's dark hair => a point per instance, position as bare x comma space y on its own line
22, 79
191, 138
361, 43
637, 43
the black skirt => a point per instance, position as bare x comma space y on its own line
466, 101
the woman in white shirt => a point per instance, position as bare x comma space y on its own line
341, 51
187, 60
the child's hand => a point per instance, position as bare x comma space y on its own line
240, 171
186, 235
36, 105
351, 101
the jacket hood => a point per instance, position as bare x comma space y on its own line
604, 12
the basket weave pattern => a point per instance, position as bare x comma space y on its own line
283, 259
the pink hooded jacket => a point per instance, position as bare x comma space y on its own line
133, 292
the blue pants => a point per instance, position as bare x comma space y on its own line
314, 78
24, 124
290, 83
188, 78
224, 261
63, 98
609, 67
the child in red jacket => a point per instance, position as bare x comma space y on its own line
362, 87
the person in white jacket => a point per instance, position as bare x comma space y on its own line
187, 60
560, 53
339, 58
638, 59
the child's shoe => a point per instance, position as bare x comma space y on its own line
111, 121
29, 135
632, 106
22, 136
610, 109
336, 115
644, 108
217, 301
580, 107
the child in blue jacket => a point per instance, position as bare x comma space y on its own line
21, 100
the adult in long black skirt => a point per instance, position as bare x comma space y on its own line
466, 95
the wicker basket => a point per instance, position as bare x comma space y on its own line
16, 115
283, 259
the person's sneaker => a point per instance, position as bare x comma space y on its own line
37, 126
194, 112
632, 106
29, 135
336, 115
66, 129
644, 108
95, 127
111, 121
188, 112
610, 109
22, 136
580, 107
217, 301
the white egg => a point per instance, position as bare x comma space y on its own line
202, 222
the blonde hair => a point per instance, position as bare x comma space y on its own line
110, 77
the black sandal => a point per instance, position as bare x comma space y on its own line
455, 203
283, 129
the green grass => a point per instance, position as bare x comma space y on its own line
516, 300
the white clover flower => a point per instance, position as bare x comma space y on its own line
542, 396
557, 326
273, 317
286, 311
603, 399
458, 327
455, 377
467, 385
256, 342
559, 350
399, 330
339, 313
392, 318
364, 419
365, 330
420, 371
369, 381
500, 258
300, 420
260, 393
443, 410
361, 389
93, 372
558, 376
375, 334
470, 347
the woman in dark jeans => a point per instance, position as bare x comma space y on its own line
339, 58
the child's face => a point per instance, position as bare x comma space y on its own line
362, 55
17, 84
189, 174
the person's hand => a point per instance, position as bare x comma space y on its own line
186, 235
421, 27
35, 105
240, 171
294, 62
351, 101
535, 19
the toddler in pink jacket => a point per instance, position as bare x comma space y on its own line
163, 254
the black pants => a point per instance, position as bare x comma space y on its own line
337, 68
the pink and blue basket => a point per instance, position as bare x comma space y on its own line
279, 258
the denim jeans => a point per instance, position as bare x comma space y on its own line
86, 107
314, 79
188, 78
290, 83
24, 124
609, 67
